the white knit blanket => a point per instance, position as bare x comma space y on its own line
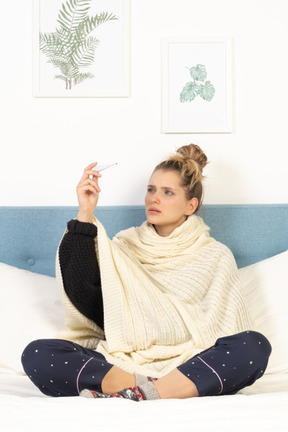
165, 298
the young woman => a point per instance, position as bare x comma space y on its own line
155, 313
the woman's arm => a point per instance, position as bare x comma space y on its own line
77, 256
80, 270
88, 193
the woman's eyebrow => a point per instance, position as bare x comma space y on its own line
162, 187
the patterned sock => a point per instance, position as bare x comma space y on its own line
142, 379
132, 393
146, 392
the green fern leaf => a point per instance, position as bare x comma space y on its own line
72, 13
82, 77
83, 55
61, 77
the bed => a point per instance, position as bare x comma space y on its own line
31, 308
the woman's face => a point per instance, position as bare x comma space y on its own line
166, 204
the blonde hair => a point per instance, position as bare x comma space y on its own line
189, 161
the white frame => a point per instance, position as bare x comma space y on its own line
125, 88
171, 107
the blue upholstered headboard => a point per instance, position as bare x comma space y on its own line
29, 236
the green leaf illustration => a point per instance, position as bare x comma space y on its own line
82, 77
207, 91
72, 46
196, 88
198, 73
189, 92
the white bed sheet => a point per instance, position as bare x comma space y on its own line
23, 407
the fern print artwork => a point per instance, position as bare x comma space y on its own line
198, 86
70, 49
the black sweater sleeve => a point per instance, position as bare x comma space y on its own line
80, 270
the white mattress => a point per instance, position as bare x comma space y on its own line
262, 407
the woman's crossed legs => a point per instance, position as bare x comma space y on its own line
63, 368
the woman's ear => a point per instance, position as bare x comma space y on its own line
192, 206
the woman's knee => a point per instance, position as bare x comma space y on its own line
34, 353
259, 343
258, 349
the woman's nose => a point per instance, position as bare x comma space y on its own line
156, 198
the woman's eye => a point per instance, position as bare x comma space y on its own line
150, 189
167, 192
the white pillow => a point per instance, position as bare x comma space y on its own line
265, 287
30, 308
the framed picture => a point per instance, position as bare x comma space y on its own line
197, 85
81, 48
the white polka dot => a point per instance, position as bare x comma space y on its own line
188, 375
234, 367
51, 381
251, 362
259, 343
193, 362
228, 352
52, 365
244, 343
36, 350
224, 379
223, 365
66, 362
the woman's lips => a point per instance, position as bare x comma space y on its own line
153, 211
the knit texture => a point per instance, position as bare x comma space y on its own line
165, 298
80, 270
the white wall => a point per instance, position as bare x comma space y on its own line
46, 142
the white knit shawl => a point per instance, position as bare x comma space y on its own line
165, 298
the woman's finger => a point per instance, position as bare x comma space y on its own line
91, 174
88, 168
88, 182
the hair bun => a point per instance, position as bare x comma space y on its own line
194, 153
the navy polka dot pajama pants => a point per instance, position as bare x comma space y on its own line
62, 368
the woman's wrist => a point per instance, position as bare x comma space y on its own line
85, 216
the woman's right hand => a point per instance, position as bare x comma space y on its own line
88, 193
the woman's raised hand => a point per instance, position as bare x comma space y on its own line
88, 193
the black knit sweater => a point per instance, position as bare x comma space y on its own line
80, 270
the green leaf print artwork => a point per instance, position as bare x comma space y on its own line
197, 87
72, 45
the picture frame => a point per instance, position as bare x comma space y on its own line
81, 48
197, 85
